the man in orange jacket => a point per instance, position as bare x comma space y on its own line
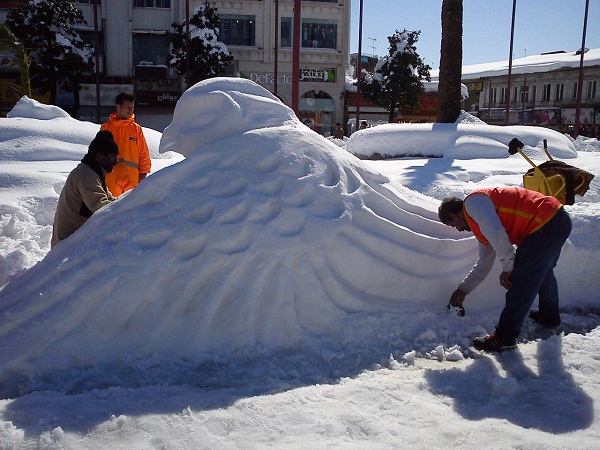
134, 156
501, 218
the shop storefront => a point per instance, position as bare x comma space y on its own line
320, 105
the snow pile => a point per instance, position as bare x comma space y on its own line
458, 140
465, 117
47, 143
585, 144
31, 108
39, 146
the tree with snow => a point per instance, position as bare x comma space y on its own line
47, 31
209, 55
397, 79
449, 92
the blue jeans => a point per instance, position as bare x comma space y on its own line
533, 275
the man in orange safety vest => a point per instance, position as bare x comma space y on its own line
502, 218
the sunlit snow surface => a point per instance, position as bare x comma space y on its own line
268, 236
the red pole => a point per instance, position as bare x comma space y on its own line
523, 101
276, 61
510, 58
296, 56
97, 60
490, 102
580, 82
358, 69
187, 44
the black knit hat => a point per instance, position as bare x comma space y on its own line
103, 143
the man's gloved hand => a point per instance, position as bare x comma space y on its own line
456, 300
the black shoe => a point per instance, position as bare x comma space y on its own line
491, 343
542, 321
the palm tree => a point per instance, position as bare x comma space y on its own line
449, 89
9, 42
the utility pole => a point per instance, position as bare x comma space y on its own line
358, 69
510, 58
580, 82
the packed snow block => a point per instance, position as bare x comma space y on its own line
265, 236
455, 140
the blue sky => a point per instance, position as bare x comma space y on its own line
540, 26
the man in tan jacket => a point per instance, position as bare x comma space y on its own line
85, 190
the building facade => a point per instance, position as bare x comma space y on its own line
134, 54
543, 91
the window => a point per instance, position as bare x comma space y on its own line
575, 86
558, 93
494, 92
152, 4
524, 94
88, 2
534, 93
319, 33
591, 89
503, 95
316, 33
150, 48
546, 88
89, 38
237, 30
286, 32
515, 93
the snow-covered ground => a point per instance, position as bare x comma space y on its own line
268, 289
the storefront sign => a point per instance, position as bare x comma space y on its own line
266, 78
108, 92
546, 116
151, 98
586, 116
316, 75
306, 75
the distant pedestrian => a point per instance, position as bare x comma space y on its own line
339, 131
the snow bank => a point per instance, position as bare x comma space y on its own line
32, 109
458, 140
66, 139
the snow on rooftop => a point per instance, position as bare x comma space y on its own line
529, 64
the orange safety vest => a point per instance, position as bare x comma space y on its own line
520, 210
134, 156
